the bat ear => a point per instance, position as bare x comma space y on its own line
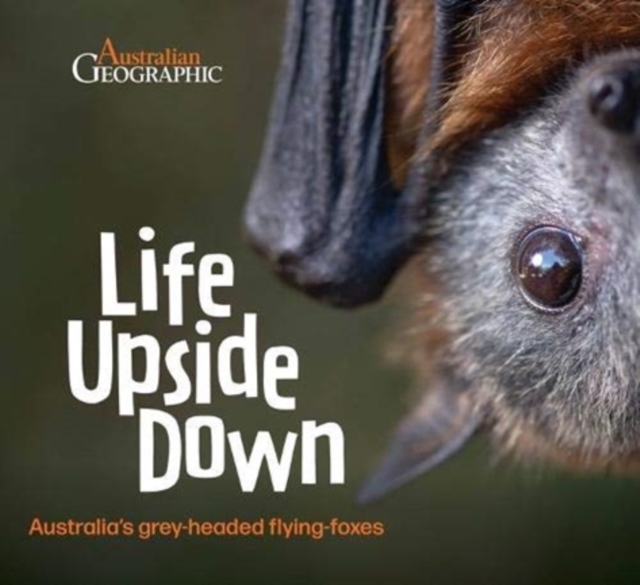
440, 424
323, 209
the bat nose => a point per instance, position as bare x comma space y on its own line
614, 99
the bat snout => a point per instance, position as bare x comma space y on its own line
613, 98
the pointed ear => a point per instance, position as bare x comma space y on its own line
441, 423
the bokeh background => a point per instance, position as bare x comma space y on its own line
77, 160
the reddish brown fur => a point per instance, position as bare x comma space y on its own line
520, 46
516, 49
529, 447
409, 61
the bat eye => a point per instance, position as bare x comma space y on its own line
548, 265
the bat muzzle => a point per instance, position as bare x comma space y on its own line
614, 98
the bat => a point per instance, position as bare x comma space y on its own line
497, 143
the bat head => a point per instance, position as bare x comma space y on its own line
502, 141
534, 242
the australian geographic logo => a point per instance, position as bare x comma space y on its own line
166, 66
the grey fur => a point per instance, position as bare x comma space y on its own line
571, 378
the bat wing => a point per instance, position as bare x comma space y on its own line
323, 208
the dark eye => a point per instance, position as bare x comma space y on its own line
548, 265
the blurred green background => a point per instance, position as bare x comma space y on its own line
77, 160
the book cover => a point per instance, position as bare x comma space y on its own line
223, 238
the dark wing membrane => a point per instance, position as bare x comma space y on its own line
322, 208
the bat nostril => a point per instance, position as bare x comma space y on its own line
606, 94
614, 100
